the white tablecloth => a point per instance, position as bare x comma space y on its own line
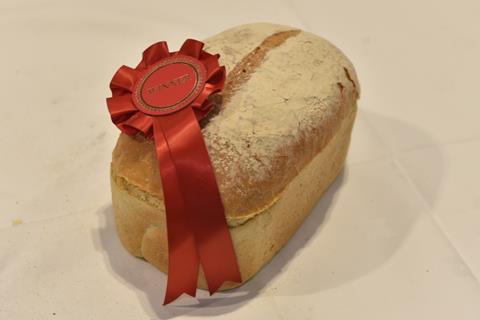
396, 237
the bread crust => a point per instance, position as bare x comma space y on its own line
274, 151
142, 230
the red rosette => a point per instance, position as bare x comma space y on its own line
163, 98
125, 107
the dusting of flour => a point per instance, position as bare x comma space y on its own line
294, 89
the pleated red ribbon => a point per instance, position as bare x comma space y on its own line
163, 98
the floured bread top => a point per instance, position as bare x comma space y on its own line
286, 93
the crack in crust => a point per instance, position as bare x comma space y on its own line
349, 77
243, 70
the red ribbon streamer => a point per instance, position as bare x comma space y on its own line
196, 225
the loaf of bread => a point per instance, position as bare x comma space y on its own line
278, 137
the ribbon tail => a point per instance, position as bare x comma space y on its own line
203, 204
183, 260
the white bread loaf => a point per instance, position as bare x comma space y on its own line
277, 140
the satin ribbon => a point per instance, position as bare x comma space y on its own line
197, 230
